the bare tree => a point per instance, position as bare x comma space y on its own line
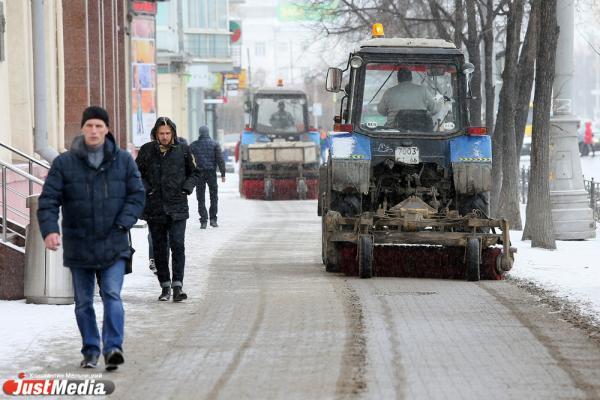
459, 22
538, 225
526, 71
472, 42
508, 200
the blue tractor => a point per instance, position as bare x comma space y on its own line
405, 189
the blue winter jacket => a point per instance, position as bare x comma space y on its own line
98, 205
208, 154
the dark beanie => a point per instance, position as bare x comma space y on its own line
203, 130
94, 112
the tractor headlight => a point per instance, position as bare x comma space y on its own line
356, 62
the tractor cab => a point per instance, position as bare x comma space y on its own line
280, 113
404, 88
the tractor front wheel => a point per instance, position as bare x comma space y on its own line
365, 256
473, 259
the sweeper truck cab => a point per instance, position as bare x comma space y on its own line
279, 151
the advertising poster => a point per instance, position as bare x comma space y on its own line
143, 78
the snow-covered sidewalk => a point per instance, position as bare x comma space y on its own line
33, 328
571, 271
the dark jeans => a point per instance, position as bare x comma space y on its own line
111, 282
164, 235
207, 178
151, 248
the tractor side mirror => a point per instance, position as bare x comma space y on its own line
468, 70
334, 80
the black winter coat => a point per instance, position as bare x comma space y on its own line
208, 154
98, 205
168, 178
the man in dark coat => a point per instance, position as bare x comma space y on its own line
99, 189
208, 156
169, 176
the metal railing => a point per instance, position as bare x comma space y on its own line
591, 187
30, 162
31, 179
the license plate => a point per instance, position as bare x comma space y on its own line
407, 155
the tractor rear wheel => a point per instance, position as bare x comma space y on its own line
302, 189
473, 259
269, 189
365, 256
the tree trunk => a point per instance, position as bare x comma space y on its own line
508, 201
538, 225
437, 18
526, 73
459, 23
489, 59
472, 43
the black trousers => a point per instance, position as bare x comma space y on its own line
207, 178
164, 235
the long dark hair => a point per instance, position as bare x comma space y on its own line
162, 121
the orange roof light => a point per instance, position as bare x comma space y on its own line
279, 82
377, 30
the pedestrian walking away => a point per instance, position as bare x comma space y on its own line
208, 156
99, 189
169, 175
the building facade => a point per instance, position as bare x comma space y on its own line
193, 43
86, 60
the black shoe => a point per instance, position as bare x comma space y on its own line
113, 359
178, 294
166, 294
213, 223
89, 361
202, 224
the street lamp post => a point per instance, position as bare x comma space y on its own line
571, 215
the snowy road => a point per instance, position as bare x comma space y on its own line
265, 321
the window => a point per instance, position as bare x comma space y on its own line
410, 98
279, 114
203, 14
163, 14
2, 30
207, 46
259, 49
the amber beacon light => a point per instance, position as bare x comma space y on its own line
377, 30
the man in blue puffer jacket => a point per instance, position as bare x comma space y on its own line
99, 189
208, 155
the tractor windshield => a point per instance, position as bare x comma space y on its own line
410, 98
280, 115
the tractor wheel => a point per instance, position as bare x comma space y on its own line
269, 189
302, 189
365, 256
330, 265
323, 242
473, 259
327, 247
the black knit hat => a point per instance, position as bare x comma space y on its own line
94, 112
